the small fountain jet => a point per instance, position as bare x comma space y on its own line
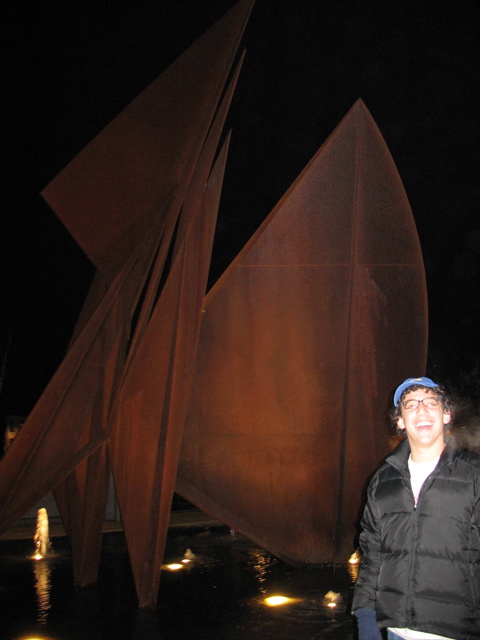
42, 536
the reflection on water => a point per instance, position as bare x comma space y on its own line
42, 574
218, 594
261, 562
354, 564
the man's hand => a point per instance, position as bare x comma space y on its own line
367, 625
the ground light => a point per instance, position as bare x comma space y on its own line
332, 599
275, 601
176, 566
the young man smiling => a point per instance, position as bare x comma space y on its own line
420, 571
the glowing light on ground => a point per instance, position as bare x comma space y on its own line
332, 599
275, 601
175, 566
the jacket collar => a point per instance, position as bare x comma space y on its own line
399, 457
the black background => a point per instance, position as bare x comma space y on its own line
70, 68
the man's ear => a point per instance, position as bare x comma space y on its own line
400, 423
447, 416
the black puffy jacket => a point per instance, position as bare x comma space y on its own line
421, 566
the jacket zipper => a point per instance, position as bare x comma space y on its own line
414, 522
414, 541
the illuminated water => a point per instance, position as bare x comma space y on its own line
42, 536
218, 595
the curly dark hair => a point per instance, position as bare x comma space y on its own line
396, 411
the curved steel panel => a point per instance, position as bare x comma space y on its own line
302, 340
146, 440
108, 196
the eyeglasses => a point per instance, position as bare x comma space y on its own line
428, 403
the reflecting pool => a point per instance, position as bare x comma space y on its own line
216, 585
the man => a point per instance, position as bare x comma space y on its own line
420, 571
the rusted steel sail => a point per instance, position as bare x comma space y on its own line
147, 435
82, 498
51, 443
302, 340
89, 195
152, 403
108, 195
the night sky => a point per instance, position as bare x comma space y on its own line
72, 67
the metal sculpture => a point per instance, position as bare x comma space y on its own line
302, 339
274, 421
121, 198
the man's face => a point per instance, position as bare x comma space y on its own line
424, 425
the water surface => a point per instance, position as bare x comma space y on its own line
217, 595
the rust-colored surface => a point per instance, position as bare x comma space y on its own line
81, 498
302, 340
152, 403
51, 443
108, 195
146, 439
70, 421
